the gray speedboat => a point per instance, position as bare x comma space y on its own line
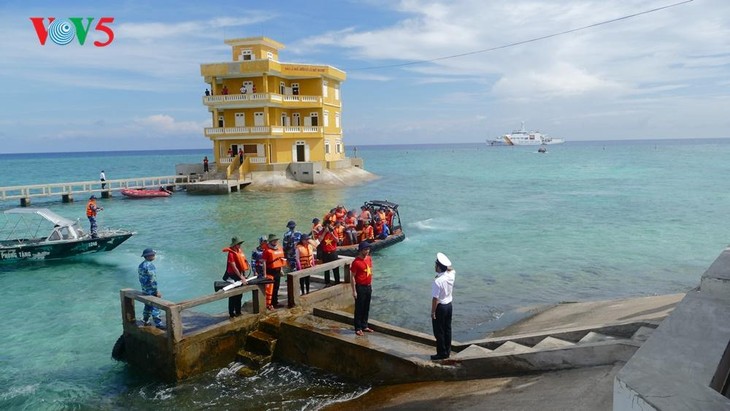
66, 238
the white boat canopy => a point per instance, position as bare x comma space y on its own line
45, 213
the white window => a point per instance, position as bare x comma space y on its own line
337, 120
295, 88
326, 146
326, 118
296, 120
282, 87
324, 88
337, 91
269, 55
338, 147
246, 54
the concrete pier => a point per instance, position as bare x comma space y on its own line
67, 190
682, 362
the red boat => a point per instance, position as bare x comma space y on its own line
141, 193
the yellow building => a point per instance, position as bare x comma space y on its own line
275, 113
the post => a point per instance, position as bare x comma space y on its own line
128, 314
25, 201
174, 323
106, 193
67, 198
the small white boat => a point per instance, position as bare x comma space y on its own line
523, 137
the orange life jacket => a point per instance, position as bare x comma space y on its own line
340, 232
238, 258
91, 208
367, 233
351, 222
306, 256
274, 258
379, 227
317, 230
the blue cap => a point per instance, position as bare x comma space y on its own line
363, 246
291, 224
148, 252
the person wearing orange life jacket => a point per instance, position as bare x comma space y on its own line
381, 214
91, 210
367, 233
364, 215
378, 227
331, 217
274, 260
236, 267
350, 228
340, 213
305, 259
389, 214
328, 246
317, 229
339, 231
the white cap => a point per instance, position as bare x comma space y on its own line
443, 260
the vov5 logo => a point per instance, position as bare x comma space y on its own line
63, 31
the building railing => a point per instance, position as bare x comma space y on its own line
262, 130
258, 98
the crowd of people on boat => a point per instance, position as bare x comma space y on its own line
297, 251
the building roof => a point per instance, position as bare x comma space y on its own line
251, 41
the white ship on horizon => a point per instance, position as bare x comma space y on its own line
522, 137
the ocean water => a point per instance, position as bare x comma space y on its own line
585, 221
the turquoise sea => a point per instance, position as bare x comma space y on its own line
585, 221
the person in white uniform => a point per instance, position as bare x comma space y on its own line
441, 310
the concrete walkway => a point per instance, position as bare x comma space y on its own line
575, 389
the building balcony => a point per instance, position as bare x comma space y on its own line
262, 99
258, 132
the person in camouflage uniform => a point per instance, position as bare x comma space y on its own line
148, 279
257, 257
290, 240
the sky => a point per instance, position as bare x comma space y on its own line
659, 75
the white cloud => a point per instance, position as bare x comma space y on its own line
166, 124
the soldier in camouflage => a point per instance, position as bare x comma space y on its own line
148, 279
290, 240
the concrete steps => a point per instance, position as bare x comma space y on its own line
259, 347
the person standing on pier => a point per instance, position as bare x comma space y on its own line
304, 259
236, 267
290, 240
257, 257
148, 280
91, 210
273, 261
441, 310
205, 164
102, 178
362, 278
328, 246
